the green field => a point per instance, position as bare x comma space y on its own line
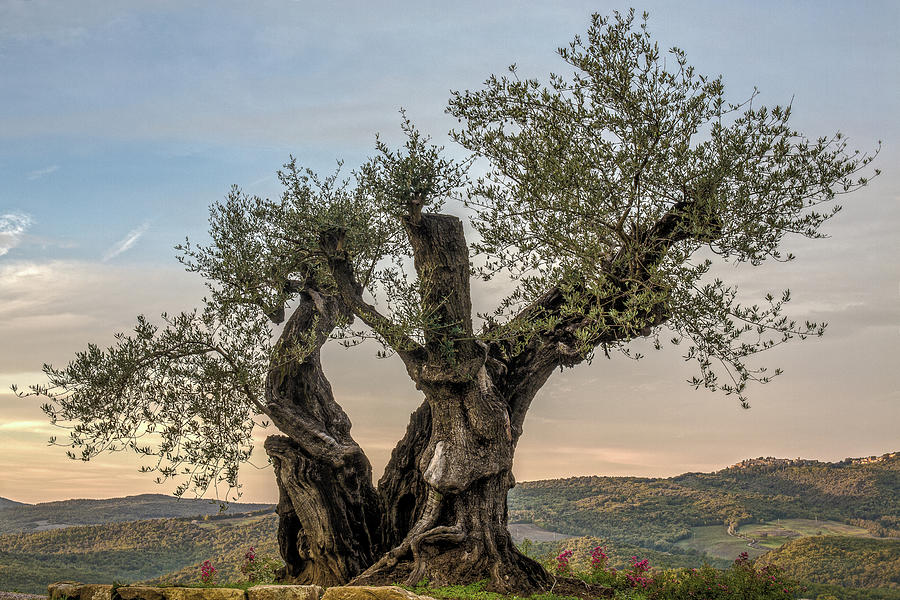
776, 534
715, 541
807, 527
229, 522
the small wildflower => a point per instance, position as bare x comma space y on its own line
207, 573
598, 558
562, 562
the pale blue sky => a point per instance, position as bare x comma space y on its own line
120, 122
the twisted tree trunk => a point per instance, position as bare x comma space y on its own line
328, 517
461, 440
440, 509
329, 512
460, 529
402, 488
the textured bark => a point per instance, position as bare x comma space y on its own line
462, 538
460, 441
402, 488
329, 512
328, 517
440, 509
460, 534
441, 258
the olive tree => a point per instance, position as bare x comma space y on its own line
607, 197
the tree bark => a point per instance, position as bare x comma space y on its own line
402, 488
329, 512
449, 512
440, 510
328, 529
460, 530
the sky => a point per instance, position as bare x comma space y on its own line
121, 122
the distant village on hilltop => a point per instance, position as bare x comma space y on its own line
771, 461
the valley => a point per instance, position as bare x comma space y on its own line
784, 512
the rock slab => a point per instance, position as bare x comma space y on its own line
79, 591
185, 593
140, 592
94, 591
64, 589
365, 592
285, 592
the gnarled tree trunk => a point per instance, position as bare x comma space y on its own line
460, 533
402, 488
440, 509
328, 529
464, 448
329, 513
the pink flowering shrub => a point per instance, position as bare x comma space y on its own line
637, 576
207, 573
259, 568
598, 559
600, 572
741, 581
562, 562
249, 564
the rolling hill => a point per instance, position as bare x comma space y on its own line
840, 560
788, 512
661, 514
20, 518
6, 503
132, 551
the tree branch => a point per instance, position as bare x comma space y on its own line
522, 359
298, 395
350, 291
441, 258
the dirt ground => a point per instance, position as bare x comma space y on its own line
18, 596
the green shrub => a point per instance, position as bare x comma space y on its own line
260, 568
743, 579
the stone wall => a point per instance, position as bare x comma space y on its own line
70, 590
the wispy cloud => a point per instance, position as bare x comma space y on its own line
50, 309
12, 228
127, 242
38, 173
26, 426
261, 180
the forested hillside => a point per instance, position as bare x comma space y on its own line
52, 515
127, 552
674, 522
830, 559
657, 513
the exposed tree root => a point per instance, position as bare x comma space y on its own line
473, 547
